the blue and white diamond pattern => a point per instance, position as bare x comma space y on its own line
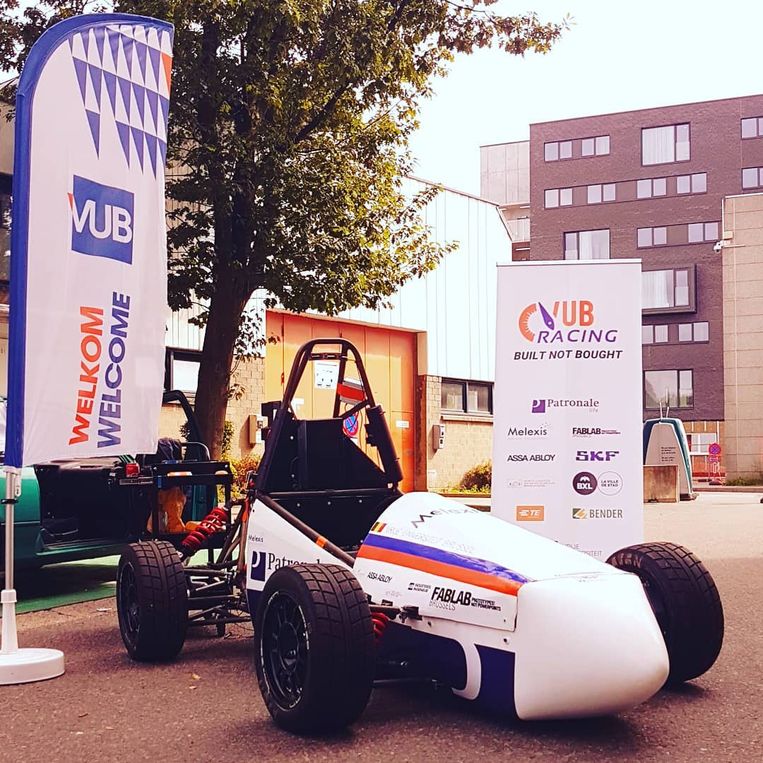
124, 75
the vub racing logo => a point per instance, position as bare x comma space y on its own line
102, 220
567, 322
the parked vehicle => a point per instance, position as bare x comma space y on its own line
348, 582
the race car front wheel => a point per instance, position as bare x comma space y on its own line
152, 601
314, 648
685, 602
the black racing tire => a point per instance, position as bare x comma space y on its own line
685, 602
152, 601
314, 648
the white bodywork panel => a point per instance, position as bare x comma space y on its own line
582, 635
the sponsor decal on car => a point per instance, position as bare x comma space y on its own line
530, 513
450, 598
378, 527
419, 587
382, 578
422, 518
265, 562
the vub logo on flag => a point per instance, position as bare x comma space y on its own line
102, 220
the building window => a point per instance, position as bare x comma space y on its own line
674, 389
558, 197
466, 396
559, 149
662, 145
700, 443
752, 177
587, 245
598, 146
752, 127
693, 332
696, 183
654, 334
649, 187
181, 370
667, 290
601, 192
646, 237
699, 232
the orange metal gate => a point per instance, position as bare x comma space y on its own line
390, 359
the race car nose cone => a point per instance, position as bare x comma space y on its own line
585, 646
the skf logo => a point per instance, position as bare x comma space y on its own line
530, 513
102, 220
596, 455
579, 514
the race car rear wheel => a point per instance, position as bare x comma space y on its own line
152, 601
314, 648
685, 602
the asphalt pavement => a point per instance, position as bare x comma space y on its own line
206, 706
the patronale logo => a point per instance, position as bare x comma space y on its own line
264, 562
549, 403
592, 431
102, 220
567, 322
531, 457
584, 483
597, 513
528, 432
530, 513
596, 455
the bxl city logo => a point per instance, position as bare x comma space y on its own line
102, 220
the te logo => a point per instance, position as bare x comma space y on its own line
102, 220
596, 455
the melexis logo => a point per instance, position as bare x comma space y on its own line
567, 322
102, 220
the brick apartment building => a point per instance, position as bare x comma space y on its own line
648, 184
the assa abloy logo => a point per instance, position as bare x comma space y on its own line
102, 220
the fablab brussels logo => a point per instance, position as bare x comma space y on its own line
565, 322
102, 220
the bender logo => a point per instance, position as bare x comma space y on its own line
102, 220
567, 322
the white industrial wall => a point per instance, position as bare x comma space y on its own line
455, 303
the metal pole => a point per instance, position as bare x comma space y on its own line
11, 482
9, 644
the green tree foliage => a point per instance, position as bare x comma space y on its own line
289, 127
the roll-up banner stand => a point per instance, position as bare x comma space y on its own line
88, 261
567, 459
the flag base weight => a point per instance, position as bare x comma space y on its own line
20, 666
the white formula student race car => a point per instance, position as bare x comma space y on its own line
348, 582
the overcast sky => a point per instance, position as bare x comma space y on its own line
617, 56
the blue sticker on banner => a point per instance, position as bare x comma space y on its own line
102, 220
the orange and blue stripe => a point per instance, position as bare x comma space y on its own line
457, 567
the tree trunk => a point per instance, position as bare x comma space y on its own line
225, 309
